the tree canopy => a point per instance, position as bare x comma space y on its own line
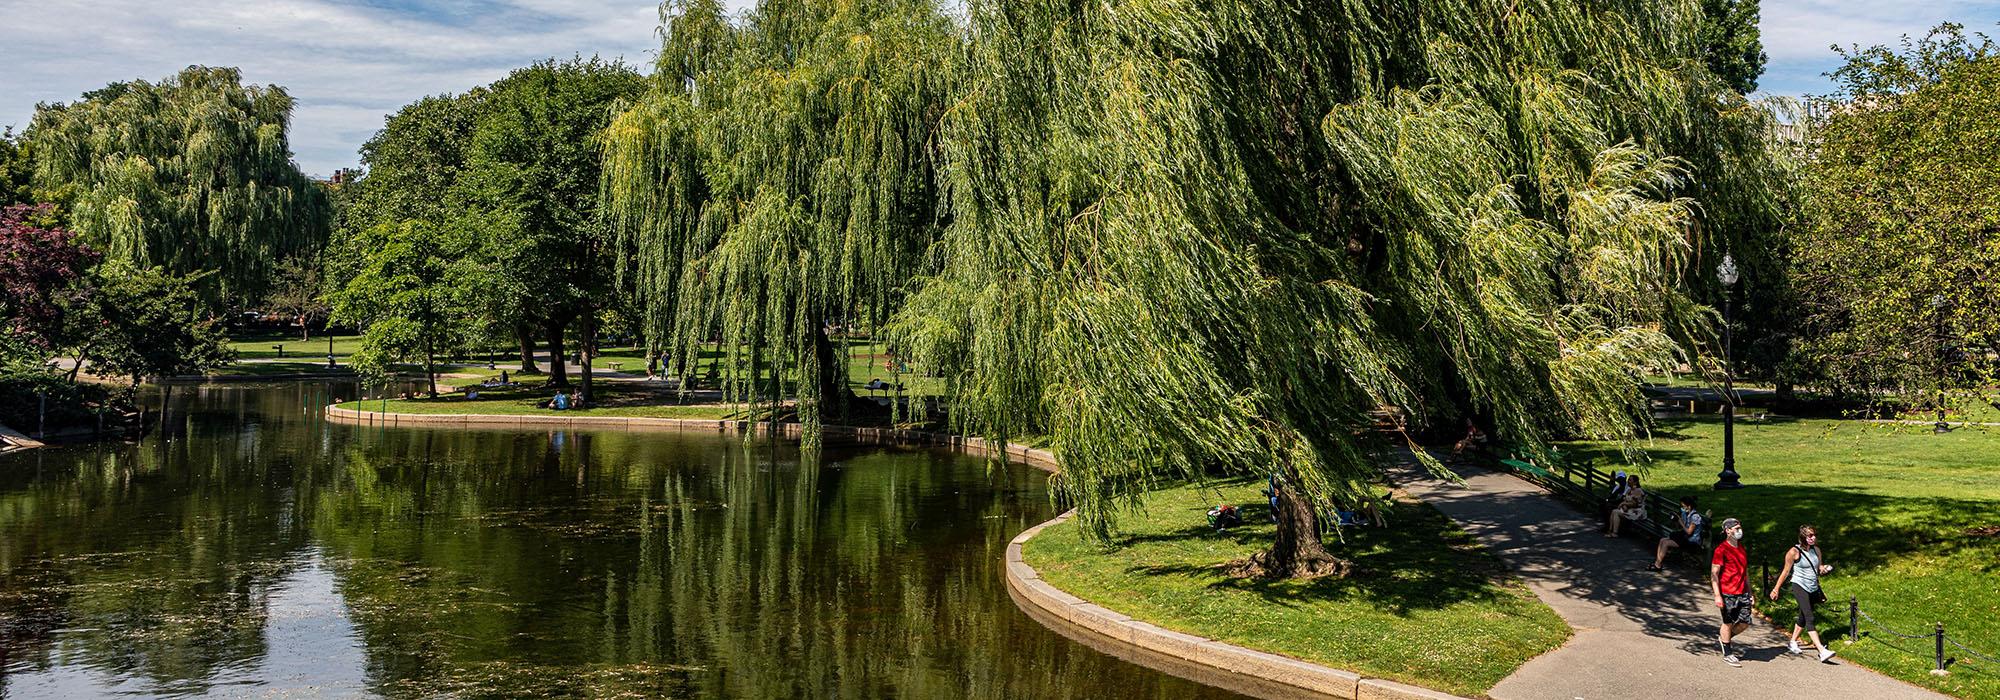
780, 176
1211, 239
190, 174
1731, 44
533, 173
1904, 232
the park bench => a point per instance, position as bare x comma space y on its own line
1588, 486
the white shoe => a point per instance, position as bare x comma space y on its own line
1794, 647
1732, 660
1825, 654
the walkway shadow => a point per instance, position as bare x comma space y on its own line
1554, 543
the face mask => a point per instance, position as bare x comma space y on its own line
1735, 535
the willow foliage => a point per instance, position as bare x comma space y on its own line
1197, 238
780, 177
190, 174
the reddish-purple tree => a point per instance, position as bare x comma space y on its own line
40, 266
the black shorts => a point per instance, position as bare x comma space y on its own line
1683, 539
1736, 609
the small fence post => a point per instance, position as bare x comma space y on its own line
1939, 670
1853, 619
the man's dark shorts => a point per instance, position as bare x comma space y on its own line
1736, 609
1683, 539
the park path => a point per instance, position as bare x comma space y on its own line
1638, 634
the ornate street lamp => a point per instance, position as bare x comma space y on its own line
1728, 479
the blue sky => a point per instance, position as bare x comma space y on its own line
350, 62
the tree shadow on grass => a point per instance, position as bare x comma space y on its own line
1422, 561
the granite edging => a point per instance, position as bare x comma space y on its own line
1037, 458
1290, 676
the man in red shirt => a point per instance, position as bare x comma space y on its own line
1728, 571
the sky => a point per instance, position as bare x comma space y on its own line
348, 63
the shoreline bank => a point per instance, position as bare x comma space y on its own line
1235, 668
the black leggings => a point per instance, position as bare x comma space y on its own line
1805, 607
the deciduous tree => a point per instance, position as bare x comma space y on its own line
191, 174
1904, 235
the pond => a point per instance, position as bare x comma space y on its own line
249, 548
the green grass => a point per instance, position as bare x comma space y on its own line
1431, 607
1895, 506
258, 347
524, 401
273, 369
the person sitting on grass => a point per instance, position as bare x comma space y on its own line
1687, 535
1631, 507
560, 402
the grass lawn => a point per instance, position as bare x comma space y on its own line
1432, 607
258, 347
274, 369
1900, 513
525, 401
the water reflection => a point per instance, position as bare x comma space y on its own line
248, 547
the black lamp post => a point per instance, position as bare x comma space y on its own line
1938, 306
1728, 479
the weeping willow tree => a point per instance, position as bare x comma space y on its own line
190, 174
1190, 240
779, 177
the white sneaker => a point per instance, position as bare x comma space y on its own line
1825, 654
1732, 660
1794, 648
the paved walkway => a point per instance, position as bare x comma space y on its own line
1638, 634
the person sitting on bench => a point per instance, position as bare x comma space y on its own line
1611, 500
1687, 535
1631, 507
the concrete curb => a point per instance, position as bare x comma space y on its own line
1037, 458
1203, 660
1243, 670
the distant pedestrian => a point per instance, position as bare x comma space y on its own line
1688, 534
1803, 567
1728, 578
1631, 506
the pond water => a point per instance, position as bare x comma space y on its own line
248, 548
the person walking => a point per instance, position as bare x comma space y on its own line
1728, 579
1803, 567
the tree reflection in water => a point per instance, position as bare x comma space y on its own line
525, 563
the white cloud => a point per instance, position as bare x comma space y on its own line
347, 63
1798, 34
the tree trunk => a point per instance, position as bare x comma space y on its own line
833, 392
430, 370
558, 367
587, 337
1297, 552
527, 337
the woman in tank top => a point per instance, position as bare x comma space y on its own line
1803, 567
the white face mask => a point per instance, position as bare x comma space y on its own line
1735, 535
